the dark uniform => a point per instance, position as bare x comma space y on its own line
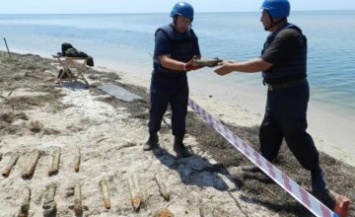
287, 97
169, 86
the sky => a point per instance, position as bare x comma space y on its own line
156, 6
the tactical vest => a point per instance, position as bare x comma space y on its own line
291, 68
183, 49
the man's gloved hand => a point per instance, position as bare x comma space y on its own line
190, 66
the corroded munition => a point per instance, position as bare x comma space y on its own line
30, 166
54, 167
11, 163
25, 204
49, 204
164, 212
77, 159
106, 195
162, 188
134, 189
206, 62
78, 205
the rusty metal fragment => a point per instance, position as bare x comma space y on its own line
164, 212
54, 167
30, 166
10, 164
206, 62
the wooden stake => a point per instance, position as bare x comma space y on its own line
105, 192
54, 168
77, 159
30, 166
11, 163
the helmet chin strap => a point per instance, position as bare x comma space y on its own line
273, 23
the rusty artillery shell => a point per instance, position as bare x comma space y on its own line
162, 188
49, 204
105, 192
54, 167
134, 189
163, 213
25, 204
77, 159
206, 62
10, 164
78, 205
30, 166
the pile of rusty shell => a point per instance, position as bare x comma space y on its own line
136, 196
162, 188
54, 166
77, 159
30, 166
11, 163
49, 204
105, 193
25, 204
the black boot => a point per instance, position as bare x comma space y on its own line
179, 148
318, 179
152, 142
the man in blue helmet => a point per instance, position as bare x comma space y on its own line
283, 64
175, 46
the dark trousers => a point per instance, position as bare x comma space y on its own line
285, 117
165, 91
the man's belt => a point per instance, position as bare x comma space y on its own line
286, 84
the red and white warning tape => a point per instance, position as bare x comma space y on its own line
296, 191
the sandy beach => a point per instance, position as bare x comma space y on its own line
108, 133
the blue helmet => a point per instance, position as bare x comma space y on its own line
183, 9
277, 8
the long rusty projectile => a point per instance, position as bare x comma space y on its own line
30, 166
49, 204
77, 159
54, 167
78, 204
136, 196
11, 163
162, 188
25, 204
105, 193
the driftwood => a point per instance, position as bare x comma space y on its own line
54, 166
77, 159
206, 62
25, 204
105, 193
49, 204
136, 196
10, 164
162, 188
30, 166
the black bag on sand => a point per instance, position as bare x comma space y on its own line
65, 47
90, 61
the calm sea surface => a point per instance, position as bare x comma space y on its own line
126, 41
